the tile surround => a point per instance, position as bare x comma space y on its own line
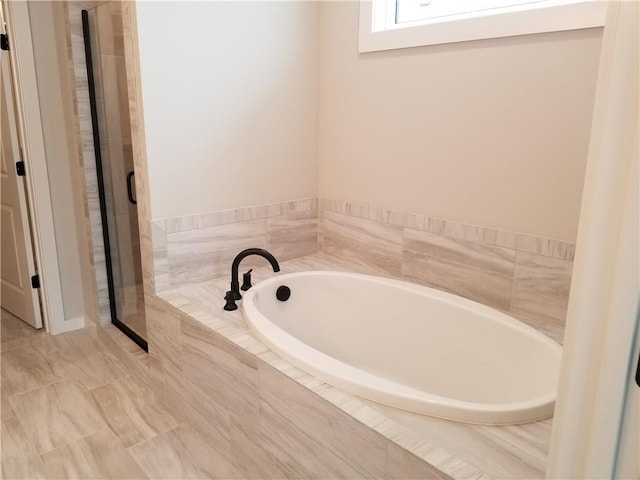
526, 276
299, 410
196, 248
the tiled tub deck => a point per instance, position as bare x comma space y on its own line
272, 420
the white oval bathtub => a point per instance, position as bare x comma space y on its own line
408, 346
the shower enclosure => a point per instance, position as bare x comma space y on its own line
104, 51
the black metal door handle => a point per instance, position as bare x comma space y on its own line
130, 187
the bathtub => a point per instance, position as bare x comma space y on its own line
408, 346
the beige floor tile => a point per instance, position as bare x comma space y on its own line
14, 439
41, 342
12, 328
6, 411
99, 455
88, 371
166, 456
27, 467
55, 415
25, 369
132, 410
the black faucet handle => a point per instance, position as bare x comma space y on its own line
231, 301
246, 280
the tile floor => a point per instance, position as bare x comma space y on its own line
71, 410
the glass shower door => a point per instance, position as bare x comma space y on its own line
104, 49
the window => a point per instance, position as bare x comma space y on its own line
389, 24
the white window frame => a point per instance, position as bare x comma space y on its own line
378, 30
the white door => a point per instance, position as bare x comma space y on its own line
17, 265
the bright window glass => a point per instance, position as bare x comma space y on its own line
391, 24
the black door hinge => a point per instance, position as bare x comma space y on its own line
35, 281
20, 169
4, 41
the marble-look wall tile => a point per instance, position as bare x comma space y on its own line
541, 287
238, 215
479, 272
298, 453
402, 465
482, 286
225, 373
195, 253
160, 258
316, 422
293, 235
363, 242
191, 403
249, 458
163, 331
203, 254
475, 255
454, 230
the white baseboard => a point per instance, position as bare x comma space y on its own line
58, 327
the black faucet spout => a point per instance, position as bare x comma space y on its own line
235, 267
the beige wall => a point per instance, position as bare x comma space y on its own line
230, 103
491, 132
54, 92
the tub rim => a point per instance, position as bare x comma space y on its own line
362, 383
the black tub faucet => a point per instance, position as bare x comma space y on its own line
234, 294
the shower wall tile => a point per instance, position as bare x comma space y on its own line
160, 258
110, 31
541, 286
116, 114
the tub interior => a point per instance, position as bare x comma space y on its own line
449, 342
